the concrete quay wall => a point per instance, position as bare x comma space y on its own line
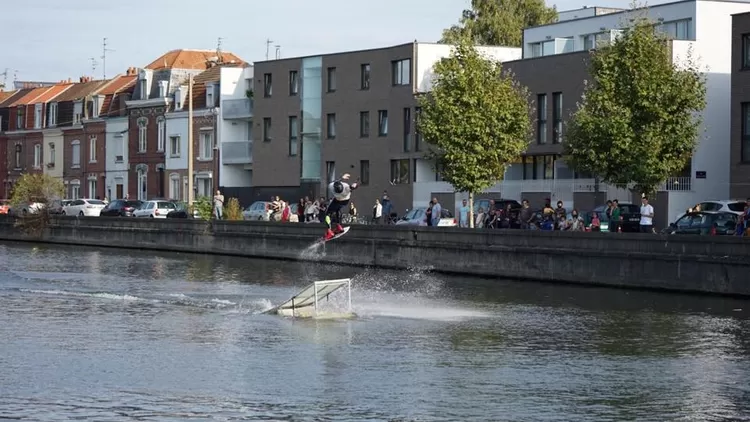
716, 265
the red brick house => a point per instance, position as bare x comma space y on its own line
152, 99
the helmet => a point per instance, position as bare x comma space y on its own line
338, 187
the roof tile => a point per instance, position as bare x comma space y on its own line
13, 98
80, 90
192, 59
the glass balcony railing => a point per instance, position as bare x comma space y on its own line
237, 152
237, 109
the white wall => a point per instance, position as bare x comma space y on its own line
580, 27
427, 54
116, 172
177, 125
234, 84
54, 136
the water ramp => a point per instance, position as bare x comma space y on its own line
308, 303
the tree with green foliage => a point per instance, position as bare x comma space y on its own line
639, 120
476, 120
32, 198
499, 22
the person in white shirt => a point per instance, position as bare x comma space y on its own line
647, 216
377, 212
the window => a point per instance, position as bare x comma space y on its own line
266, 129
209, 98
364, 172
541, 119
204, 187
119, 148
293, 135
293, 82
37, 116
18, 156
417, 135
589, 41
143, 89
536, 49
92, 188
96, 105
364, 76
330, 171
142, 134
331, 80
174, 146
141, 184
401, 72
37, 155
331, 125
267, 85
206, 146
174, 187
92, 149
76, 154
382, 122
745, 154
400, 171
51, 160
676, 30
364, 124
557, 125
161, 136
53, 114
746, 51
77, 112
19, 117
407, 129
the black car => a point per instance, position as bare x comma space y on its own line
705, 223
630, 218
121, 208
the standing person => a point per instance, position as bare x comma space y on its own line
377, 212
463, 214
615, 218
647, 216
525, 215
310, 210
218, 205
437, 212
387, 207
341, 192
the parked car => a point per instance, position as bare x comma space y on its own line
155, 209
181, 211
630, 215
84, 207
258, 211
121, 208
56, 207
29, 207
705, 223
733, 206
416, 217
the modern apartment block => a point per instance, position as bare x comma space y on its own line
740, 114
554, 68
319, 117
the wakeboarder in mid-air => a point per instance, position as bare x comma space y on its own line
340, 192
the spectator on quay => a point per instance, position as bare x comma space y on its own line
463, 214
437, 212
560, 214
576, 223
311, 209
301, 205
615, 218
492, 220
387, 207
276, 209
596, 225
428, 214
377, 212
526, 215
352, 210
322, 206
218, 205
507, 215
647, 216
547, 210
608, 210
479, 222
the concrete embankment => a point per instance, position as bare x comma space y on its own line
718, 265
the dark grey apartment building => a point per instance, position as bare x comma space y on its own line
739, 174
319, 117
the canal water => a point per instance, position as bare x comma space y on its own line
113, 335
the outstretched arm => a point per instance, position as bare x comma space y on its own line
355, 185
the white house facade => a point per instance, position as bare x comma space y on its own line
235, 127
176, 155
117, 166
52, 153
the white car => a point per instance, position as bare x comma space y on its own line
734, 206
155, 209
84, 207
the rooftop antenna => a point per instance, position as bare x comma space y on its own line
218, 49
268, 46
104, 57
5, 79
278, 51
93, 65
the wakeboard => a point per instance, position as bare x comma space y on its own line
337, 235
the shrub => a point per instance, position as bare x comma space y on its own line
233, 211
30, 190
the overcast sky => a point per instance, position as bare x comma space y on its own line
56, 39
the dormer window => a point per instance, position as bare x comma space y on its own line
163, 89
19, 117
142, 87
210, 96
38, 116
96, 106
52, 115
77, 112
178, 98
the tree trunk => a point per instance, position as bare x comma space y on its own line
471, 210
597, 195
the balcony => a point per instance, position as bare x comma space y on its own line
237, 152
237, 109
